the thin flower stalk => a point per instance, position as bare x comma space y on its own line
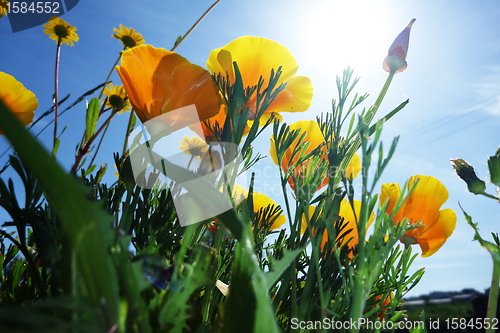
56, 97
179, 41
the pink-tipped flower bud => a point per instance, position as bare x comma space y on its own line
395, 62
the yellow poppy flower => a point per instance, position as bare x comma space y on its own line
423, 204
396, 57
20, 100
256, 56
194, 146
128, 36
350, 217
315, 138
116, 95
159, 81
4, 8
60, 31
260, 201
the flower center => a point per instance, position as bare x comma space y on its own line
128, 41
61, 31
197, 151
115, 101
408, 240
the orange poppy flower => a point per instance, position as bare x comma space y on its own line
208, 132
159, 81
350, 217
256, 57
384, 306
20, 100
316, 138
423, 204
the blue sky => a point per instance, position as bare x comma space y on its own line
452, 81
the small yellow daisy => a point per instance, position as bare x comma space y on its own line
60, 31
194, 146
4, 8
116, 95
128, 36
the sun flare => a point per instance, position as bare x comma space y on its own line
347, 33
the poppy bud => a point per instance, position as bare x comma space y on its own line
465, 171
395, 62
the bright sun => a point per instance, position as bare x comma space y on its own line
347, 33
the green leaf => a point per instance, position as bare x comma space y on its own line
91, 118
56, 147
248, 308
86, 224
248, 305
187, 278
90, 169
280, 266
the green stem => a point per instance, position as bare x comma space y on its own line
178, 42
493, 299
56, 97
368, 119
99, 145
207, 303
490, 196
84, 150
292, 244
100, 95
316, 260
129, 125
361, 283
111, 72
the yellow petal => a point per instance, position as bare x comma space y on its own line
303, 226
296, 97
354, 167
255, 56
390, 192
351, 217
260, 201
20, 100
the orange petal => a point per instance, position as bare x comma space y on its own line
158, 81
434, 237
424, 202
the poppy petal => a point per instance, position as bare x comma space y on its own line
434, 237
296, 97
158, 81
